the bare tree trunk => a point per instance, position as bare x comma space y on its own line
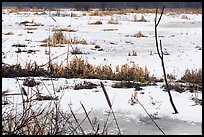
161, 56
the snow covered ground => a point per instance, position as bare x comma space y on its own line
179, 38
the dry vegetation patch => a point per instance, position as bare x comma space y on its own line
78, 68
9, 33
64, 29
110, 29
193, 76
58, 38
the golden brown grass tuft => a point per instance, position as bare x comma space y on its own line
193, 76
139, 35
78, 68
58, 38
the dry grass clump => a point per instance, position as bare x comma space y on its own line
142, 19
32, 23
77, 41
19, 45
15, 9
198, 47
30, 28
110, 29
184, 17
97, 46
191, 80
96, 23
24, 22
133, 53
175, 86
78, 68
64, 29
127, 84
16, 70
107, 12
113, 11
9, 33
139, 35
59, 38
135, 73
27, 51
193, 76
171, 77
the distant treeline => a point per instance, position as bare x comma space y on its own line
87, 5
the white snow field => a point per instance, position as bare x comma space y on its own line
180, 38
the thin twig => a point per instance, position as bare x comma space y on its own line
150, 117
76, 121
87, 116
